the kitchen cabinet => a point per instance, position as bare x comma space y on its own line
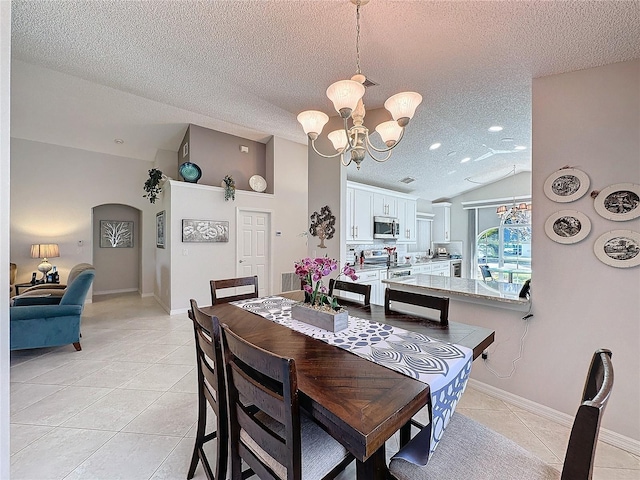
441, 229
367, 277
421, 269
385, 205
441, 268
407, 220
359, 216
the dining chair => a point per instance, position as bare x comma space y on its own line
217, 285
211, 391
418, 299
275, 438
359, 288
471, 450
486, 273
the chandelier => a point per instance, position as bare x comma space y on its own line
520, 214
346, 96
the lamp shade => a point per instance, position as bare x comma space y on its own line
339, 139
45, 250
403, 105
345, 95
389, 132
313, 122
502, 209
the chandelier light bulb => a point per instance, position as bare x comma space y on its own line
402, 106
345, 95
389, 132
313, 122
338, 139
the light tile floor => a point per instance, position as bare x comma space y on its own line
125, 406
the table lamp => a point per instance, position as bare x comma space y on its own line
44, 251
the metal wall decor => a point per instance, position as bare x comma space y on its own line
618, 248
323, 225
619, 202
566, 185
116, 234
160, 227
567, 226
205, 231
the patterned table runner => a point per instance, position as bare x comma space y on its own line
445, 367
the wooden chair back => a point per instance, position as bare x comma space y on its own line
211, 390
270, 424
578, 461
359, 288
233, 283
418, 299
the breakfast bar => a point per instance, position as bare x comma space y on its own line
494, 294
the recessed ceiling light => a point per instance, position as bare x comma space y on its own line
507, 139
453, 152
495, 128
520, 147
119, 141
435, 146
451, 172
465, 159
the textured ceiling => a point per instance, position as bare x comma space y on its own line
85, 73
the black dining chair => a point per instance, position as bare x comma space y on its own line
358, 288
212, 391
217, 285
274, 437
471, 450
441, 304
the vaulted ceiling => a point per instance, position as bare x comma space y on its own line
85, 73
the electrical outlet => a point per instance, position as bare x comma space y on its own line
485, 355
185, 252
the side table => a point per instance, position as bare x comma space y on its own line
18, 286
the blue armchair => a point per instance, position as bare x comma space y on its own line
37, 326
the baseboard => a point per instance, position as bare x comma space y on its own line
612, 438
146, 295
109, 292
178, 311
161, 303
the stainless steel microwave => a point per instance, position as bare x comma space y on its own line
386, 227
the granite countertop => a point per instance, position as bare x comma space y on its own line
499, 294
383, 265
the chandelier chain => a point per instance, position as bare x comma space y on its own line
358, 38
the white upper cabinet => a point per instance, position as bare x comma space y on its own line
385, 205
441, 230
359, 216
407, 220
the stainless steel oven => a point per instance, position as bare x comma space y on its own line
398, 272
386, 227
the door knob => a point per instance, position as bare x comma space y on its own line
240, 261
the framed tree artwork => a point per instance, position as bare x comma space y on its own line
116, 234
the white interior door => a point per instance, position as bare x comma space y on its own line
254, 232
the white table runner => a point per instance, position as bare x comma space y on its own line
445, 367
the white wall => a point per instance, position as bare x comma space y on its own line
589, 119
53, 192
190, 274
5, 79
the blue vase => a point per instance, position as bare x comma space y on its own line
190, 172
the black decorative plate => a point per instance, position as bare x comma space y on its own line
190, 172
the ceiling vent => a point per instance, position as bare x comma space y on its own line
368, 83
408, 180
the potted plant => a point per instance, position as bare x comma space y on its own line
153, 185
229, 188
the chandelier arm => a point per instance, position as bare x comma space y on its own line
313, 145
383, 150
379, 160
351, 139
342, 160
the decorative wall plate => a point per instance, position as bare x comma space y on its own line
257, 183
567, 226
566, 185
190, 172
619, 202
618, 248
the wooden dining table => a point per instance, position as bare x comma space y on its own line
360, 403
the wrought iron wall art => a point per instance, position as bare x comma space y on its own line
205, 231
116, 234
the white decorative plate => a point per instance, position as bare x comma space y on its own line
257, 183
618, 248
619, 202
566, 185
567, 226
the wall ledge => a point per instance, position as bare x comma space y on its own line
187, 185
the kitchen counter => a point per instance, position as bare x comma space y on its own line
383, 265
497, 294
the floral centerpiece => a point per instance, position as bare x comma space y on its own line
311, 271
